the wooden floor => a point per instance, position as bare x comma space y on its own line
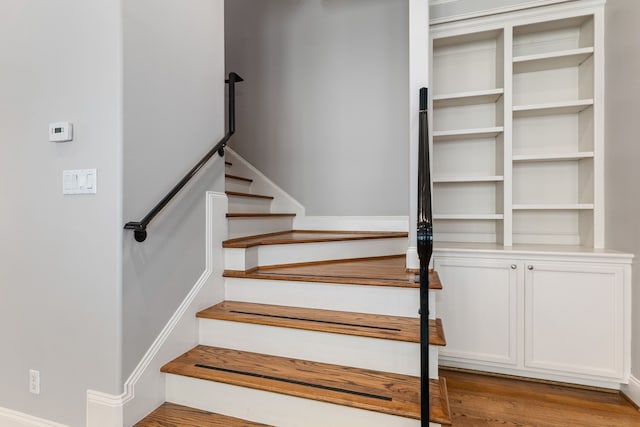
379, 271
480, 400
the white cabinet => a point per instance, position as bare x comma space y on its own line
574, 318
518, 127
562, 316
479, 305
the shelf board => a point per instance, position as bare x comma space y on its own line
550, 61
467, 98
468, 216
552, 206
450, 135
553, 157
552, 108
456, 179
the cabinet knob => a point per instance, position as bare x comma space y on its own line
513, 266
530, 267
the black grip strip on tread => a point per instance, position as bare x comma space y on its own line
289, 381
328, 322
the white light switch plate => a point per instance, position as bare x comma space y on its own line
79, 181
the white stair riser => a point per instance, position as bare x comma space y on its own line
386, 300
273, 408
237, 185
243, 204
235, 259
348, 350
242, 227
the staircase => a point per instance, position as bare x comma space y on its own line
318, 329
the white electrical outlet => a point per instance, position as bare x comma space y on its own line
34, 381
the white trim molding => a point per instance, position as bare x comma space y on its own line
632, 390
107, 410
467, 13
9, 418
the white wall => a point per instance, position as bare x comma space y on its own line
174, 102
622, 89
323, 111
60, 261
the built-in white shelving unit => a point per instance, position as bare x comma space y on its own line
517, 128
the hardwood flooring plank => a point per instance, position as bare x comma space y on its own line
172, 415
388, 393
482, 400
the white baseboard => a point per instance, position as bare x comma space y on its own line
352, 223
632, 390
9, 418
144, 389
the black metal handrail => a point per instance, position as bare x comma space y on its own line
425, 248
140, 227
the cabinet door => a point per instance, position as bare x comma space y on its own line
574, 316
478, 306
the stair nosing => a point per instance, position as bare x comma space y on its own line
238, 243
443, 394
158, 417
239, 178
259, 215
253, 196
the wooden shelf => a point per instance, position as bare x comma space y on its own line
552, 206
451, 135
467, 98
460, 179
468, 216
552, 108
550, 61
553, 157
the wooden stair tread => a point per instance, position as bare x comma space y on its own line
339, 322
259, 215
255, 196
376, 271
307, 236
172, 415
239, 178
384, 392
228, 164
436, 333
439, 411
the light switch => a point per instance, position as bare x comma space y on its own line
79, 181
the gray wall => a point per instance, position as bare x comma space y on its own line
623, 143
174, 100
323, 111
60, 277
